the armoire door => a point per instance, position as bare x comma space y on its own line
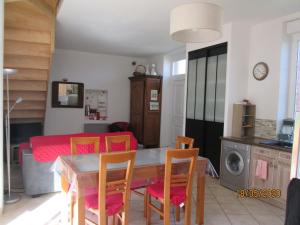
137, 108
152, 116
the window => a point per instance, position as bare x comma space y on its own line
179, 67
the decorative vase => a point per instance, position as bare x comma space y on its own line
153, 70
147, 70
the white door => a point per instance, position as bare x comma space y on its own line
177, 93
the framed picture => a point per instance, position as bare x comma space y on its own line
154, 106
154, 95
96, 104
67, 94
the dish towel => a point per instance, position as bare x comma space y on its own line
261, 169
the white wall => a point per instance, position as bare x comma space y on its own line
269, 42
96, 71
1, 106
265, 45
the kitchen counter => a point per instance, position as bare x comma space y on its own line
256, 141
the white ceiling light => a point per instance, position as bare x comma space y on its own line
196, 22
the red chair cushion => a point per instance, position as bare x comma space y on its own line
114, 203
177, 194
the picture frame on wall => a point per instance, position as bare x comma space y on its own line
154, 106
96, 104
154, 95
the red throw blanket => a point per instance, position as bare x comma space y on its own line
48, 148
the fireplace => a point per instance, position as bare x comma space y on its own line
21, 132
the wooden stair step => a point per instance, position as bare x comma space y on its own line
26, 120
20, 114
26, 62
25, 35
22, 15
26, 95
27, 105
26, 49
30, 74
23, 85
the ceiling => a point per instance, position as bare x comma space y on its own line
141, 27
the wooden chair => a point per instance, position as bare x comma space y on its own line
114, 193
64, 183
189, 142
110, 140
180, 140
176, 188
136, 184
84, 141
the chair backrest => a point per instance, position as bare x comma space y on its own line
84, 141
119, 139
180, 140
117, 185
182, 179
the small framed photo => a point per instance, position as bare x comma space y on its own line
154, 106
154, 95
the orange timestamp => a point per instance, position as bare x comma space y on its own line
259, 193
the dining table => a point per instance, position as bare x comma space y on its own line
82, 172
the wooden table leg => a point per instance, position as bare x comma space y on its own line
200, 200
80, 208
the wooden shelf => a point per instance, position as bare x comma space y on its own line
247, 126
243, 120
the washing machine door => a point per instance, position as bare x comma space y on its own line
234, 163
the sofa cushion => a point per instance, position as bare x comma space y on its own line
48, 148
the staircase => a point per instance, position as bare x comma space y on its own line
29, 36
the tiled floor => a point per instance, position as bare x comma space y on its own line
222, 207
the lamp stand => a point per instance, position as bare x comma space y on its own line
9, 198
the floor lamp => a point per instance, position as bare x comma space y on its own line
9, 197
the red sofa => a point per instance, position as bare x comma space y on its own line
37, 162
48, 148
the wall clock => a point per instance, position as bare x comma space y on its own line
260, 71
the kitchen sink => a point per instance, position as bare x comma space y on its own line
278, 143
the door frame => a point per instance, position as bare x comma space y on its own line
1, 106
180, 77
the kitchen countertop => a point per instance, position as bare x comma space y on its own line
256, 141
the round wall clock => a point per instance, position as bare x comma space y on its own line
260, 71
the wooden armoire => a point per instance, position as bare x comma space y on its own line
145, 108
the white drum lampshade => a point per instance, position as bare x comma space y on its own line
196, 22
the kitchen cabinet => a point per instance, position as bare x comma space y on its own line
263, 154
283, 170
279, 164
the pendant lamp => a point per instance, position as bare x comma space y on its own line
196, 22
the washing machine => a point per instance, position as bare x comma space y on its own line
235, 165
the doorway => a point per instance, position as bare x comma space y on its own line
177, 94
206, 100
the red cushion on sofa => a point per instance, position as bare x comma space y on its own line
48, 148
